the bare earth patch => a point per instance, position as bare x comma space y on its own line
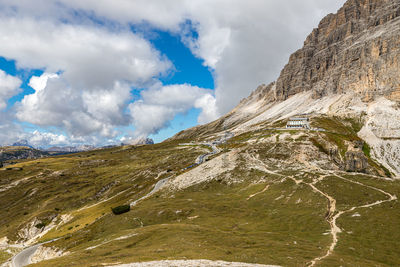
205, 172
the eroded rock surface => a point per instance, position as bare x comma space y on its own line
356, 50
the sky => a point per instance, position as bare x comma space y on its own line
103, 72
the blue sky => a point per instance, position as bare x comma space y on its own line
88, 72
188, 69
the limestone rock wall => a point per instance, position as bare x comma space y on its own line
357, 49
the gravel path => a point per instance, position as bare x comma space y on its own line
24, 257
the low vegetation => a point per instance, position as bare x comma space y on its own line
121, 209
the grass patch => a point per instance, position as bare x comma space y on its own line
320, 147
4, 256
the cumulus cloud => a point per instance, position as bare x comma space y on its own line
80, 113
9, 131
88, 56
207, 104
39, 82
39, 139
245, 43
160, 104
9, 86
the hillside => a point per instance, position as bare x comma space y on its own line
20, 152
242, 190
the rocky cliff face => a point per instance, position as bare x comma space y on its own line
356, 161
357, 50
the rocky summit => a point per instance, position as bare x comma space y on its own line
303, 172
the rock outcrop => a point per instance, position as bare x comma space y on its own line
46, 253
356, 161
357, 50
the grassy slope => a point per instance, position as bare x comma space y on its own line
61, 185
284, 225
213, 221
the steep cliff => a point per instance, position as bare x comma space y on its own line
355, 50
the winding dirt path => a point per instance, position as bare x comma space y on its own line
332, 217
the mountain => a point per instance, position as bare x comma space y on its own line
244, 188
70, 149
140, 141
22, 143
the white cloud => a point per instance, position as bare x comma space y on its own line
160, 104
9, 131
246, 42
207, 104
9, 86
80, 113
39, 139
87, 56
39, 82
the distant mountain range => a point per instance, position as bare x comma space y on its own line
70, 149
140, 141
23, 150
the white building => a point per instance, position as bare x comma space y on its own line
298, 122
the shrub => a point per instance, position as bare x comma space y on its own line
40, 225
121, 209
